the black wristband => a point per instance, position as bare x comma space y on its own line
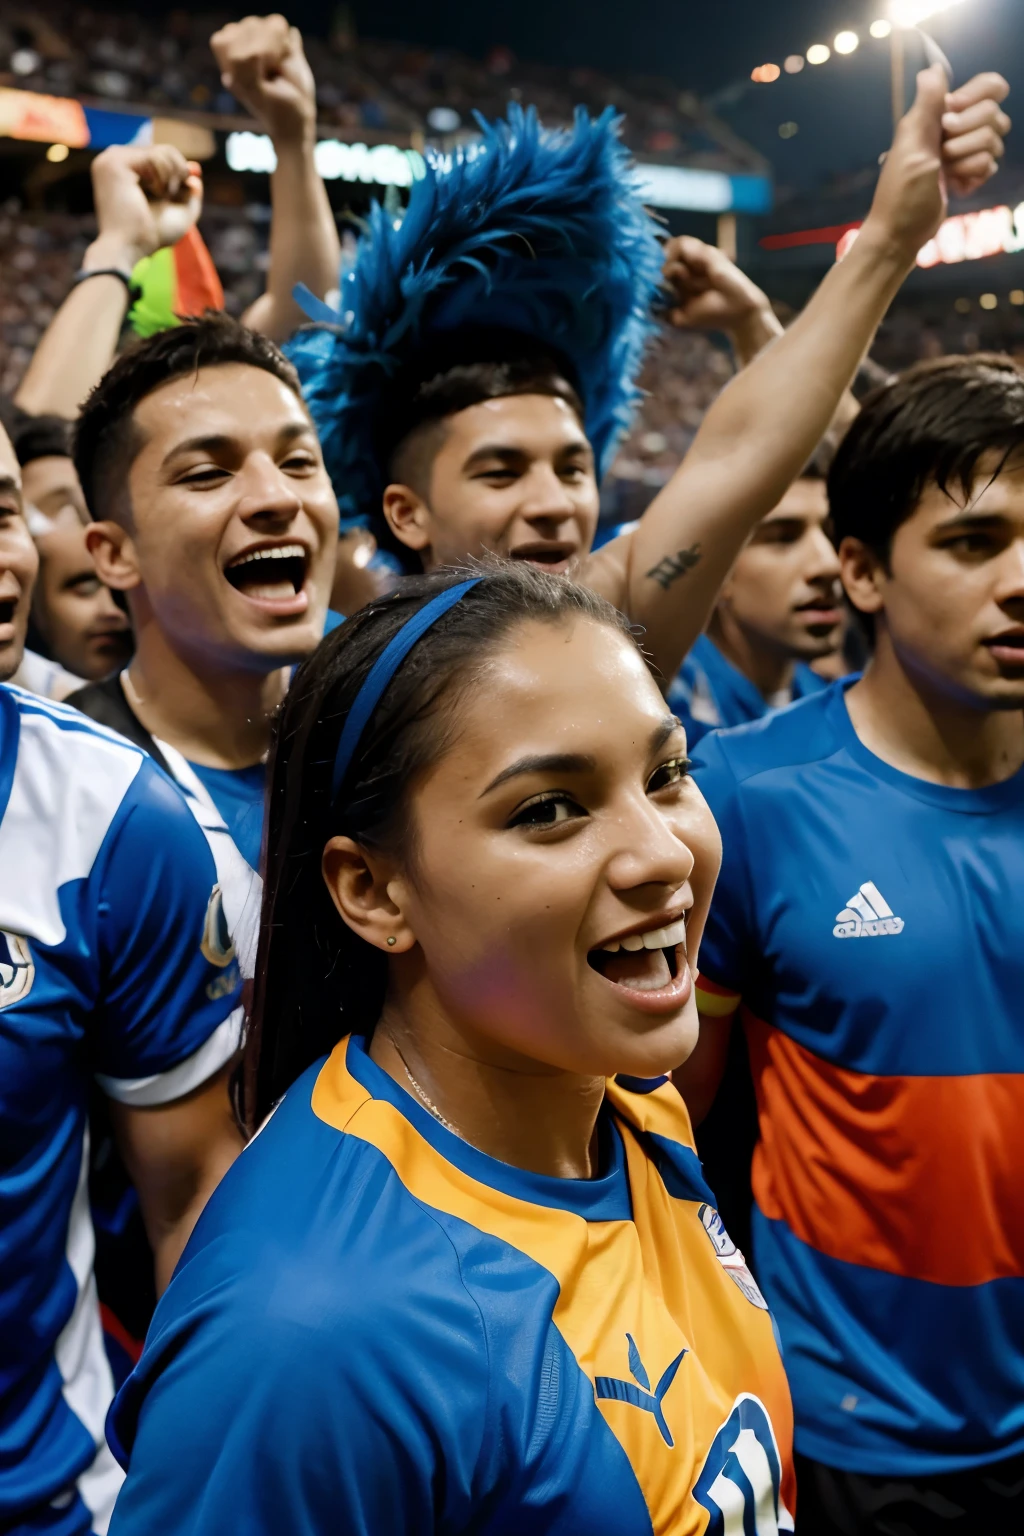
126, 278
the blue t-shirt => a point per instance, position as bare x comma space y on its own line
239, 795
115, 964
872, 924
708, 691
377, 1329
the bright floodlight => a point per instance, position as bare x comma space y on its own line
880, 28
910, 13
846, 42
819, 53
794, 64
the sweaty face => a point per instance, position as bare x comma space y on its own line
954, 596
75, 613
18, 563
234, 520
565, 860
783, 590
514, 477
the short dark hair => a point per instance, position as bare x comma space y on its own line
35, 437
464, 370
105, 442
315, 978
929, 426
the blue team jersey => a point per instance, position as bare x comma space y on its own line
377, 1329
708, 692
873, 925
238, 794
115, 965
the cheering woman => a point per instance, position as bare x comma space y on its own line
468, 1277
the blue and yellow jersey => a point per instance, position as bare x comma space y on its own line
378, 1329
871, 925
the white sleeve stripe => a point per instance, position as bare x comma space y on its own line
176, 1082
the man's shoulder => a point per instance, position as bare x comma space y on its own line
795, 737
60, 742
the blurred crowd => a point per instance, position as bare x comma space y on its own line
64, 49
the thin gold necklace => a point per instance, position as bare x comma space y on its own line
423, 1097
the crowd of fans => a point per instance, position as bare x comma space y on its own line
348, 966
64, 49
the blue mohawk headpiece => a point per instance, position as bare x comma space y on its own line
532, 231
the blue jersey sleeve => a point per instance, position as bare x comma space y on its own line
169, 1015
730, 930
299, 1400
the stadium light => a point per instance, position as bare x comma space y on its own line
794, 63
880, 28
911, 13
819, 53
846, 42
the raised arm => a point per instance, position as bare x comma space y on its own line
765, 425
262, 63
145, 197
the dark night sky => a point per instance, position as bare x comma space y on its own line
842, 108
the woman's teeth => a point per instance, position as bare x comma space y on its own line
646, 971
657, 938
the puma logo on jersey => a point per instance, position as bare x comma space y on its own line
641, 1396
17, 969
866, 915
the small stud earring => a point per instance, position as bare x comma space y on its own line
392, 939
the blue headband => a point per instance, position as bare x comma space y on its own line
384, 669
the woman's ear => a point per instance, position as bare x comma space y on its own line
369, 893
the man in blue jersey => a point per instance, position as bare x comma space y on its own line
868, 924
115, 969
214, 516
777, 612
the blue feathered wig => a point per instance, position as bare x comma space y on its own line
531, 233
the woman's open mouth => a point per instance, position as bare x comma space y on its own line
651, 967
273, 576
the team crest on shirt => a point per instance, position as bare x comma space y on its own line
17, 969
217, 946
729, 1256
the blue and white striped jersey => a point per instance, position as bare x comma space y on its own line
116, 965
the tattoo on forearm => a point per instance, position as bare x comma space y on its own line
671, 567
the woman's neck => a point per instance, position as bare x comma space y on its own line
214, 716
516, 1110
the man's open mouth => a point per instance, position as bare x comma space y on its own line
7, 607
545, 555
643, 962
271, 574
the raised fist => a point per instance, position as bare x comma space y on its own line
262, 63
948, 142
145, 197
708, 291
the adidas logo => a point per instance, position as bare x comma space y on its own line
866, 915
